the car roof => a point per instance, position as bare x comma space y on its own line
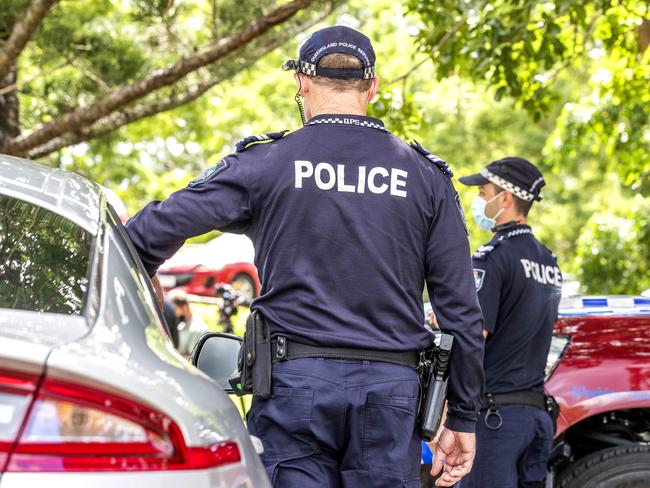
62, 192
604, 305
215, 254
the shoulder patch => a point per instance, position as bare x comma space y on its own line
210, 172
479, 277
439, 162
249, 141
482, 252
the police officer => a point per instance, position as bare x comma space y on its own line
519, 287
348, 223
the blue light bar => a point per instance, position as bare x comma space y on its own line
604, 305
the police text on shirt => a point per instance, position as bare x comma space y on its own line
546, 275
330, 177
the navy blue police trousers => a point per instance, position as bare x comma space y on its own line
514, 455
339, 423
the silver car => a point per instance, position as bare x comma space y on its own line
92, 392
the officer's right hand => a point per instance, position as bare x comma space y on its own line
455, 451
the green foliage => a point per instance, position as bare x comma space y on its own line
463, 78
607, 237
521, 49
8, 12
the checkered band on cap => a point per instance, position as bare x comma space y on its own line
307, 68
311, 69
369, 73
506, 185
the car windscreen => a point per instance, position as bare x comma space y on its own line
44, 259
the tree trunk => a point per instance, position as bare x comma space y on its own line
644, 35
9, 110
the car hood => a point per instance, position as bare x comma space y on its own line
179, 269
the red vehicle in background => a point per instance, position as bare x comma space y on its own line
599, 373
199, 268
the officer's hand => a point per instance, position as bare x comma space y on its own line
455, 451
433, 321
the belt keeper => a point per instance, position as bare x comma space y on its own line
281, 348
493, 411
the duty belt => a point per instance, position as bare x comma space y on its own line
492, 402
527, 397
282, 349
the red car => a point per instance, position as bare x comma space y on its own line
199, 268
599, 372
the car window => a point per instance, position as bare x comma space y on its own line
44, 259
142, 285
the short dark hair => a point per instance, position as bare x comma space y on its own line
342, 61
522, 206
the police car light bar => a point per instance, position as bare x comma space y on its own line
604, 305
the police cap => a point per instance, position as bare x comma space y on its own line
516, 175
336, 39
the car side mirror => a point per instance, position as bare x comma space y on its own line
216, 354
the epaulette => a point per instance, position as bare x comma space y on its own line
439, 162
249, 141
482, 252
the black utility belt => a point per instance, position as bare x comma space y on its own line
259, 351
284, 349
531, 398
492, 401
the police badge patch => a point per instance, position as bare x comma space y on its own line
210, 173
479, 276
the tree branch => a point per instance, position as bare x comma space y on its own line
84, 117
436, 49
21, 33
16, 87
404, 76
114, 121
119, 119
90, 75
644, 35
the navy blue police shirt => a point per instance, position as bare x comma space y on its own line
348, 222
519, 287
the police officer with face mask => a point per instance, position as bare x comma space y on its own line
519, 287
348, 223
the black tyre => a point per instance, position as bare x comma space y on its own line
618, 467
244, 285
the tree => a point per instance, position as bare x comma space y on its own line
609, 235
86, 68
582, 71
532, 51
588, 130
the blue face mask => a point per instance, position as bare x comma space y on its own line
478, 212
